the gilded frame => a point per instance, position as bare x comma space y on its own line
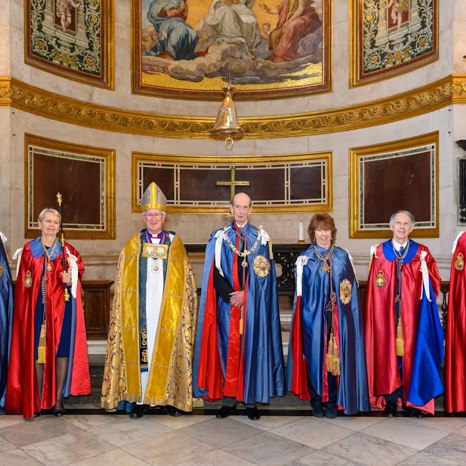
84, 176
319, 163
81, 49
218, 65
400, 175
391, 37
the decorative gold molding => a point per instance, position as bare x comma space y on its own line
447, 91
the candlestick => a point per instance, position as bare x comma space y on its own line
300, 232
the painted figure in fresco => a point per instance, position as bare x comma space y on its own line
326, 357
152, 321
398, 12
296, 19
404, 337
63, 10
238, 352
234, 22
176, 40
48, 354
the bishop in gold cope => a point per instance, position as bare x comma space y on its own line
152, 321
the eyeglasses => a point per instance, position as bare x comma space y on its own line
153, 215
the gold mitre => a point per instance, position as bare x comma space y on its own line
153, 198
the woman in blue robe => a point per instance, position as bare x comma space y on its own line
326, 361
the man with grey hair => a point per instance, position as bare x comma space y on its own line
404, 340
238, 352
152, 320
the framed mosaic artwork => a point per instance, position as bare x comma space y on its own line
71, 38
286, 183
401, 175
83, 175
201, 46
390, 37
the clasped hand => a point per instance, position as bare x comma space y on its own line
236, 298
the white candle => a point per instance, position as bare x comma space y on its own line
300, 231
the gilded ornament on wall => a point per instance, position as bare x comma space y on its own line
71, 38
391, 36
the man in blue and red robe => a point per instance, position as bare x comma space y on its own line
238, 351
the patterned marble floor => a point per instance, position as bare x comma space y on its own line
200, 439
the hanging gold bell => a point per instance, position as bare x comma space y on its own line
226, 125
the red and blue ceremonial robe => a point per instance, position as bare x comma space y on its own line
418, 370
243, 360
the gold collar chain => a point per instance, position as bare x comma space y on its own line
246, 252
325, 266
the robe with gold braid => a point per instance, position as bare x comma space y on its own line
422, 332
22, 392
256, 353
170, 371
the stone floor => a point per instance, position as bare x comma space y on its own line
283, 436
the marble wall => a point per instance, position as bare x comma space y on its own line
101, 255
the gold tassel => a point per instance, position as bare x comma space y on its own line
400, 344
330, 354
333, 358
41, 347
241, 326
336, 358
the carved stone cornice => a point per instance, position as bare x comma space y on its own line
22, 96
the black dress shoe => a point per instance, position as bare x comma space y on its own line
408, 411
253, 413
330, 410
224, 412
58, 412
317, 407
59, 409
172, 411
390, 409
138, 411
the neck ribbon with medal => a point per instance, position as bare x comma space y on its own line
333, 350
244, 255
48, 267
400, 256
150, 251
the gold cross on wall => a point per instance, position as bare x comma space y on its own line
232, 183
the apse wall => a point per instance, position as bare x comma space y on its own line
446, 116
